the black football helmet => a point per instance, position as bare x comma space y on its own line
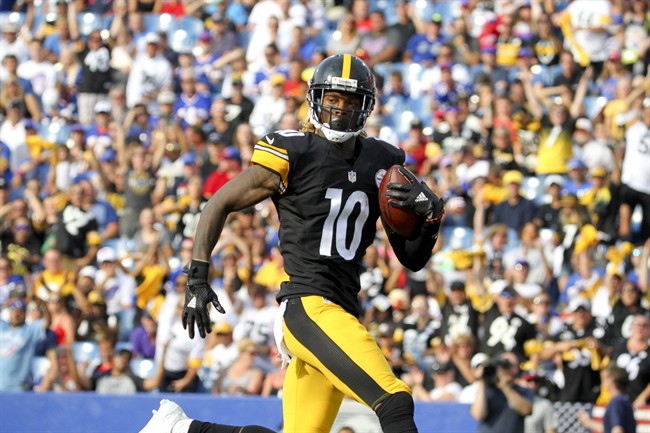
343, 73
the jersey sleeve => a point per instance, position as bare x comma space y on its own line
271, 153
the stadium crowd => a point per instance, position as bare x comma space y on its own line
120, 119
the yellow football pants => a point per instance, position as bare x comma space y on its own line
334, 355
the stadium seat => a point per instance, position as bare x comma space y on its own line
85, 351
192, 25
40, 365
89, 22
421, 108
594, 105
457, 238
181, 41
323, 38
159, 23
12, 17
144, 368
533, 189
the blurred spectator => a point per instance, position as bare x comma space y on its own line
54, 279
229, 167
584, 24
633, 355
221, 351
191, 107
181, 357
505, 330
121, 380
423, 47
458, 315
143, 338
577, 352
346, 38
242, 378
118, 290
21, 246
515, 210
15, 87
543, 418
18, 341
635, 176
150, 74
13, 42
37, 69
61, 321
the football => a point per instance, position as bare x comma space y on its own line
402, 221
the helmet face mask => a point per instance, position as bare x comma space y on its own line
342, 76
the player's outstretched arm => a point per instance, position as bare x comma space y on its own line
414, 254
246, 189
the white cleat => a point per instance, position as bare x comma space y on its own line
163, 419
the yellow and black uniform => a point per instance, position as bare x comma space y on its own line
328, 209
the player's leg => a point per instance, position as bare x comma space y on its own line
326, 337
310, 402
170, 418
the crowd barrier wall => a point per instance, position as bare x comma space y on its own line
94, 413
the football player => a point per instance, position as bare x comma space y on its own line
324, 183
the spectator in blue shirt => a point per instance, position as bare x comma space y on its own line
619, 413
18, 342
423, 47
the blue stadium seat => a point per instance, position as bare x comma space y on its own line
144, 368
192, 25
159, 23
181, 41
12, 17
88, 22
421, 108
457, 238
85, 351
594, 105
122, 345
533, 189
323, 38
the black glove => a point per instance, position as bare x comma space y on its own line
417, 196
198, 297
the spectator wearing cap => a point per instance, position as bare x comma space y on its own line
445, 387
548, 214
635, 175
18, 341
578, 183
118, 290
95, 59
453, 134
601, 202
13, 42
229, 167
120, 380
150, 74
423, 48
531, 255
21, 245
269, 108
221, 350
458, 315
271, 65
487, 67
238, 104
505, 330
191, 107
99, 126
139, 123
501, 405
515, 210
579, 347
543, 419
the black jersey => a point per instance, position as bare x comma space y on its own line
505, 333
637, 366
328, 209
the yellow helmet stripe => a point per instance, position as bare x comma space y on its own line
347, 65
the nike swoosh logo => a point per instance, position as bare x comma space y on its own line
270, 140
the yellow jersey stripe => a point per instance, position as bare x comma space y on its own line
347, 65
274, 161
282, 153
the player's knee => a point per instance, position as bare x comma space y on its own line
395, 413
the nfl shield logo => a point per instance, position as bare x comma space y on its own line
352, 176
